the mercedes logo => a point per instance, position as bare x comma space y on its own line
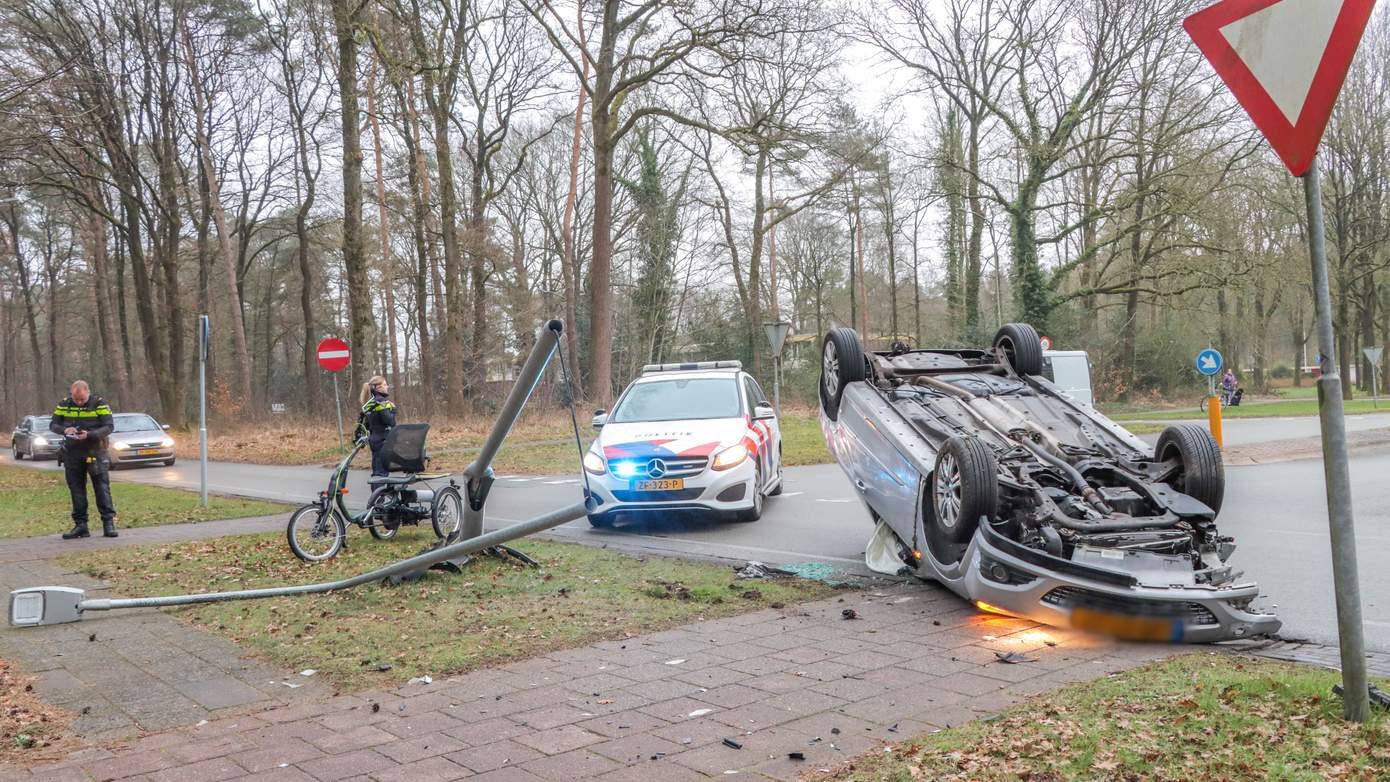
656, 468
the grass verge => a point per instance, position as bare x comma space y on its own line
30, 731
496, 612
542, 443
1290, 408
35, 502
1208, 716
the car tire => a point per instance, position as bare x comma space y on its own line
781, 483
842, 363
754, 513
1021, 345
601, 520
169, 462
1201, 476
14, 449
964, 488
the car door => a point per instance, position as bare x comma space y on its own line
769, 431
22, 435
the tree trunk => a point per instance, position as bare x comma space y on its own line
362, 324
416, 175
600, 267
569, 264
448, 210
113, 353
388, 277
26, 290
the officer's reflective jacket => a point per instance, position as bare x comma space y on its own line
377, 418
94, 418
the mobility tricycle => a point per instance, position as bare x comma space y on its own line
318, 530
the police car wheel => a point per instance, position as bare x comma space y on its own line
601, 520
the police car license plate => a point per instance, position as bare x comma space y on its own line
663, 484
146, 451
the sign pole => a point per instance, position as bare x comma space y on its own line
338, 406
204, 333
1355, 703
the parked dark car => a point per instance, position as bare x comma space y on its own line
32, 440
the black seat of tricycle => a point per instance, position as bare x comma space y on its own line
405, 448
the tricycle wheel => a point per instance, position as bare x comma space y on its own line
447, 513
315, 534
377, 509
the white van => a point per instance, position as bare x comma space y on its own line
1070, 370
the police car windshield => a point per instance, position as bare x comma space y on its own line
679, 399
134, 423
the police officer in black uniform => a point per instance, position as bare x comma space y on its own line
378, 418
85, 422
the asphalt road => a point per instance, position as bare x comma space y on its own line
1249, 431
1277, 513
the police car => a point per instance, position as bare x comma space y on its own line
699, 437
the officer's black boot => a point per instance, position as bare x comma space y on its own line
77, 531
108, 528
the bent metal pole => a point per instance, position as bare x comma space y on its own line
479, 474
412, 565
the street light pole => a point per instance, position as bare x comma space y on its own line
1355, 701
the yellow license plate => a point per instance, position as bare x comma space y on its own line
1129, 628
663, 484
147, 452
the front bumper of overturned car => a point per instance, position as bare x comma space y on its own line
1107, 601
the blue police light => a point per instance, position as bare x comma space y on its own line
625, 469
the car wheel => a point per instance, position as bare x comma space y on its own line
781, 483
14, 449
1022, 346
964, 487
1200, 474
842, 363
601, 520
169, 462
756, 512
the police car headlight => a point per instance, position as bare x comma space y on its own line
731, 457
594, 463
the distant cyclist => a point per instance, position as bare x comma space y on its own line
1229, 385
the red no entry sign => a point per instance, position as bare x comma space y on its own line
334, 354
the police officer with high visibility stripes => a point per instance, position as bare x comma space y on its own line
377, 419
85, 422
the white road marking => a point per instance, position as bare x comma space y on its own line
836, 502
792, 493
567, 482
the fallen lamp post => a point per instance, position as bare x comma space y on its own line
47, 605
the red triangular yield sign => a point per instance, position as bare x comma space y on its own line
1285, 61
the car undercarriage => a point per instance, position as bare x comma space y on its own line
1025, 501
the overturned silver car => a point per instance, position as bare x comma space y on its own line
1018, 498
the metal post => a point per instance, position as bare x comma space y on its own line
1355, 703
338, 405
479, 473
777, 384
204, 333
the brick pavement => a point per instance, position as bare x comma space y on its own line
669, 706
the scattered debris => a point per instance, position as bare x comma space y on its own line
755, 569
700, 712
731, 744
421, 680
1379, 698
834, 731
376, 707
308, 672
849, 613
1012, 658
893, 728
384, 667
676, 661
796, 756
91, 637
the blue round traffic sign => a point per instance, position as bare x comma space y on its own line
1209, 362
